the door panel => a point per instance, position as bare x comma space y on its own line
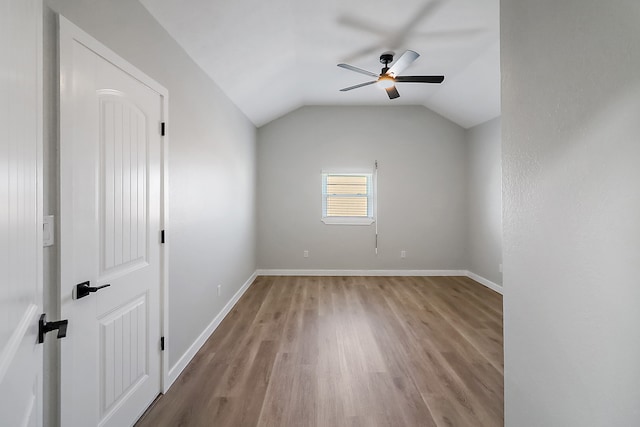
123, 184
110, 227
123, 352
20, 212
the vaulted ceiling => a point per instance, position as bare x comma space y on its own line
271, 57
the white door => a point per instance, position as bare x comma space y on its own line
20, 212
110, 212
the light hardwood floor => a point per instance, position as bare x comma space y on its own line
347, 351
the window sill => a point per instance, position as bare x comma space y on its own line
345, 220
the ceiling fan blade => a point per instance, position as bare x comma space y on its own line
392, 92
357, 86
357, 70
361, 25
419, 79
449, 35
363, 53
391, 39
403, 62
429, 8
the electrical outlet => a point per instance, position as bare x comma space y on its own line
219, 290
500, 268
403, 254
305, 254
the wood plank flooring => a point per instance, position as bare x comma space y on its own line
347, 351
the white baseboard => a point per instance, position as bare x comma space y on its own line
485, 282
176, 370
361, 272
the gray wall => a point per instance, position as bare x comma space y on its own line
485, 200
211, 166
421, 189
570, 119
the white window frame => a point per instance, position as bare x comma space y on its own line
350, 220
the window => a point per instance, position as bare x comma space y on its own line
347, 198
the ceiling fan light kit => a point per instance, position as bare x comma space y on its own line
388, 77
386, 82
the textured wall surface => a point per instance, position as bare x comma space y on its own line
570, 129
421, 189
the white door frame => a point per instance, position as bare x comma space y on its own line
68, 29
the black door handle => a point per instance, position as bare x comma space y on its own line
44, 327
83, 289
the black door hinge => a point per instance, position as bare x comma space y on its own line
162, 126
162, 343
161, 236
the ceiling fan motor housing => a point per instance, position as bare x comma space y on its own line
386, 58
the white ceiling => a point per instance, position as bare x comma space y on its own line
271, 57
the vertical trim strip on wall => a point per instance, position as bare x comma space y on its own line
375, 201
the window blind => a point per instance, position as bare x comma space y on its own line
347, 195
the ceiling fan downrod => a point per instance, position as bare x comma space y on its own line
386, 59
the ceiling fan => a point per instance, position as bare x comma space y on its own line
390, 76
